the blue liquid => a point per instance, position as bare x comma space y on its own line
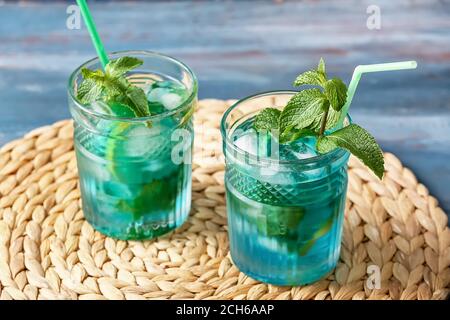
131, 187
285, 226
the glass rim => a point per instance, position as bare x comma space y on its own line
148, 53
326, 157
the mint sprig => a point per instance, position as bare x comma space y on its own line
312, 77
268, 119
303, 111
315, 112
359, 142
112, 87
122, 65
336, 93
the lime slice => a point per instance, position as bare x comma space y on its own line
137, 157
112, 147
126, 147
324, 228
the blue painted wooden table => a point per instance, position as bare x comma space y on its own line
239, 48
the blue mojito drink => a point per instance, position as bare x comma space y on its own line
285, 202
135, 172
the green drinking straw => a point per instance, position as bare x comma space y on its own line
359, 70
93, 32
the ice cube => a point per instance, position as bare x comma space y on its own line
169, 94
171, 100
262, 146
141, 140
248, 142
300, 149
166, 96
101, 107
117, 190
155, 95
259, 144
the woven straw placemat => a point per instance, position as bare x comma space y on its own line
48, 251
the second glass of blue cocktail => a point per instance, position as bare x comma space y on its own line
285, 202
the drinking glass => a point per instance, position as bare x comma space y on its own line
135, 173
285, 203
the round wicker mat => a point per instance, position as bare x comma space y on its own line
48, 251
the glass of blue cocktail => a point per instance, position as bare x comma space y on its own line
285, 202
134, 164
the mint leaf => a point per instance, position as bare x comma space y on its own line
302, 110
267, 120
121, 66
122, 110
139, 100
96, 76
311, 77
308, 113
296, 134
115, 86
321, 67
336, 92
88, 91
332, 119
123, 98
359, 142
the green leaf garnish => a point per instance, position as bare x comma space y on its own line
121, 66
89, 92
303, 110
112, 87
122, 110
139, 99
312, 77
268, 119
316, 112
295, 134
96, 76
359, 142
336, 92
321, 67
